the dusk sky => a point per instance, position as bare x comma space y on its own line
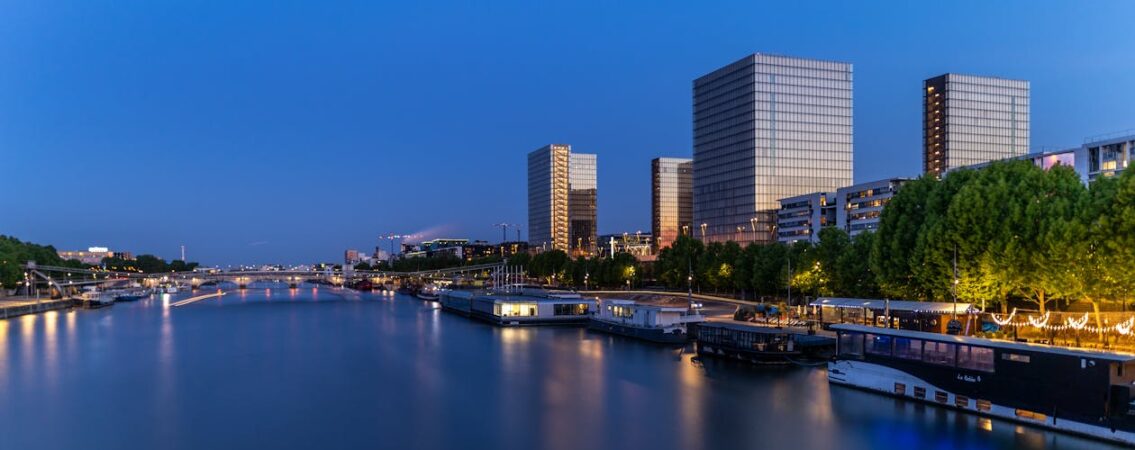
257, 132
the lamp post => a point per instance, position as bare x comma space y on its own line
703, 226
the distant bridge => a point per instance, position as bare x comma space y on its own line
66, 279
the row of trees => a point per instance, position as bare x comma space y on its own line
1016, 232
833, 266
14, 253
556, 267
147, 264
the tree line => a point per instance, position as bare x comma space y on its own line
1018, 233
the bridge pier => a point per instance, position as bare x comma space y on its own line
293, 285
242, 286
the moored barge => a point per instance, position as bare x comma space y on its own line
760, 344
1085, 392
521, 305
655, 323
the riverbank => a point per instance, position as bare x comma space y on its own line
14, 307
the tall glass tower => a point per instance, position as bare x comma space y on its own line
582, 208
972, 120
548, 197
672, 199
562, 200
767, 127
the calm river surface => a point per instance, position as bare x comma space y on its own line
330, 368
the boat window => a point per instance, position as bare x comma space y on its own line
939, 353
879, 344
514, 309
975, 358
919, 392
571, 309
851, 344
1015, 357
908, 348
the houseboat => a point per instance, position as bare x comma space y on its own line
901, 314
520, 305
1085, 392
662, 324
760, 344
94, 299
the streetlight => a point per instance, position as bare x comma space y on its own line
703, 226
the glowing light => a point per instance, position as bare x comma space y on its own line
1041, 322
1004, 321
1077, 324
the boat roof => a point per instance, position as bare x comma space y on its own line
525, 298
993, 343
619, 301
896, 305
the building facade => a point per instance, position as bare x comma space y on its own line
767, 127
1105, 156
801, 218
671, 199
583, 191
970, 120
638, 244
548, 197
859, 206
562, 200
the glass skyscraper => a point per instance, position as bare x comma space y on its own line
765, 128
672, 199
562, 194
972, 120
548, 197
582, 193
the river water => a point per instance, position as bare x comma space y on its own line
330, 368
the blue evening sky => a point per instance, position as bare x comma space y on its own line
266, 131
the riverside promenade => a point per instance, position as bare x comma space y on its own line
18, 306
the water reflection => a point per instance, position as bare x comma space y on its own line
318, 368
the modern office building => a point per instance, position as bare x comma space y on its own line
548, 197
801, 218
671, 199
562, 200
582, 207
970, 120
767, 127
859, 206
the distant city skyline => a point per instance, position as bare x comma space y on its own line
265, 133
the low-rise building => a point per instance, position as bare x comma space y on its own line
801, 218
94, 255
637, 244
859, 206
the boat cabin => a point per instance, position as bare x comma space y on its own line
628, 312
901, 314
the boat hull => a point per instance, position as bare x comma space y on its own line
656, 335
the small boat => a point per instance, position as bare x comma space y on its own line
429, 293
130, 295
661, 324
760, 344
94, 299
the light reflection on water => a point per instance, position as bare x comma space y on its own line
328, 368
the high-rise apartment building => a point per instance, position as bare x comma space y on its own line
971, 120
672, 199
582, 208
562, 194
767, 127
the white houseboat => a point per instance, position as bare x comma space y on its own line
663, 324
518, 305
1085, 392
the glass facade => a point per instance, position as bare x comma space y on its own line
672, 199
971, 120
548, 197
767, 127
582, 193
1109, 157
